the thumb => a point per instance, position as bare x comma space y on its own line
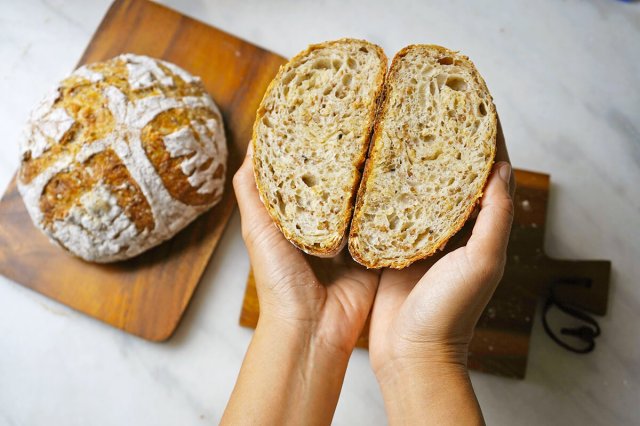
488, 242
254, 215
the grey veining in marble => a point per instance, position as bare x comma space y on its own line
565, 76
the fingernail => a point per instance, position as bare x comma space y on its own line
505, 172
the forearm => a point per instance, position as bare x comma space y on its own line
287, 377
438, 394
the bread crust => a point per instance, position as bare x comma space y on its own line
120, 156
345, 217
439, 244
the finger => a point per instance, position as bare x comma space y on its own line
503, 155
245, 187
252, 212
490, 235
395, 285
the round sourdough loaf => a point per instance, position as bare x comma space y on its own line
121, 156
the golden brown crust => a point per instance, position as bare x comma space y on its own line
116, 146
457, 225
64, 190
346, 216
168, 167
85, 103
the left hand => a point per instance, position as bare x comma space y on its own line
328, 298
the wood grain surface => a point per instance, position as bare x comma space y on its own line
147, 295
501, 340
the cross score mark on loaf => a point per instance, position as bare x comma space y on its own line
121, 156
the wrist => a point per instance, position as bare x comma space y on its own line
435, 392
446, 357
298, 379
304, 337
422, 371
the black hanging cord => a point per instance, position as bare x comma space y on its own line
586, 333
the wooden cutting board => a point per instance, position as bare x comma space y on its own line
147, 295
501, 340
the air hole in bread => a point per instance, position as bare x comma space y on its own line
425, 235
305, 77
393, 221
427, 137
482, 109
456, 83
441, 79
287, 78
434, 155
336, 64
346, 80
309, 180
351, 63
432, 88
321, 64
266, 121
446, 60
364, 49
279, 202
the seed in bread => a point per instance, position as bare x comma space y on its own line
121, 156
310, 140
431, 154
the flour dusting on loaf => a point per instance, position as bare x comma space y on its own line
121, 156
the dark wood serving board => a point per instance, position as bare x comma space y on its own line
501, 340
147, 295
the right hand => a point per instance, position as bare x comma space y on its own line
425, 314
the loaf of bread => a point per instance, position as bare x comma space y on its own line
121, 156
310, 140
430, 157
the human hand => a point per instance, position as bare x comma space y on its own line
311, 314
424, 316
427, 312
329, 298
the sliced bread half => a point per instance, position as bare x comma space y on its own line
310, 140
430, 157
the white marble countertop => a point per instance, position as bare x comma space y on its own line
565, 76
